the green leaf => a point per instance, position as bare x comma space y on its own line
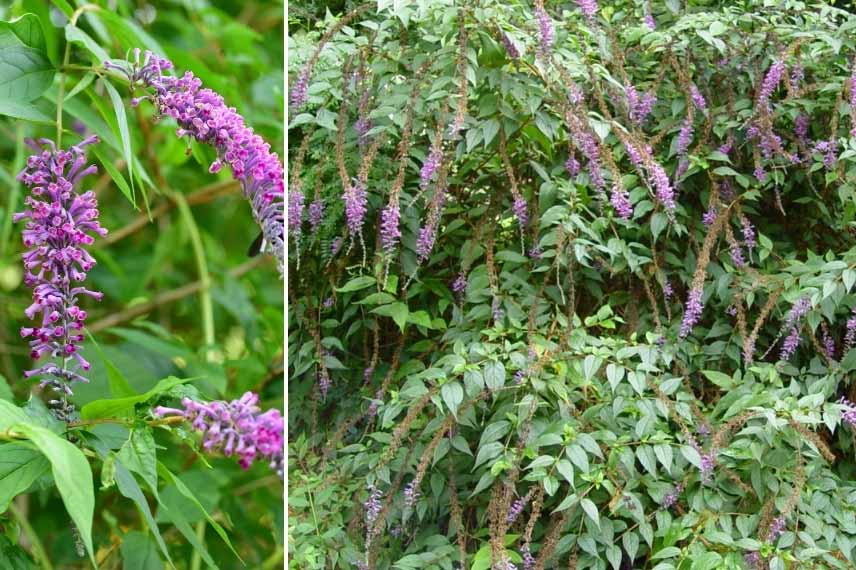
22, 110
129, 34
5, 390
129, 488
26, 31
20, 466
357, 283
64, 7
139, 552
722, 380
111, 407
80, 86
115, 175
119, 387
75, 35
10, 414
170, 477
453, 395
73, 477
591, 510
398, 311
124, 134
25, 73
138, 455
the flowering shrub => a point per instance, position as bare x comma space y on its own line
598, 308
140, 344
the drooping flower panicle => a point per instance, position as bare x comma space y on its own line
203, 114
238, 427
61, 221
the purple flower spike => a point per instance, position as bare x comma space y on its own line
698, 98
60, 222
685, 137
849, 413
588, 8
411, 494
692, 312
650, 22
389, 230
621, 203
515, 510
432, 163
521, 211
510, 48
373, 505
672, 496
295, 212
460, 284
203, 115
777, 529
356, 203
316, 214
709, 217
546, 32
572, 165
299, 91
237, 428
771, 81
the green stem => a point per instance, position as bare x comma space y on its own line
196, 560
202, 268
38, 549
274, 560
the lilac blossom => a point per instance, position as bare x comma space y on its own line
828, 345
801, 124
792, 322
203, 115
639, 106
546, 32
516, 509
731, 310
777, 529
520, 211
708, 463
295, 212
797, 76
316, 214
850, 335
672, 496
692, 312
725, 148
411, 494
510, 48
518, 379
853, 99
572, 165
760, 173
748, 233
829, 151
621, 202
528, 560
336, 245
771, 81
667, 289
849, 413
300, 89
697, 98
430, 166
650, 21
459, 285
324, 384
60, 223
363, 125
535, 252
356, 204
389, 230
792, 341
328, 302
425, 241
709, 216
634, 155
238, 427
665, 192
373, 505
736, 255
685, 137
752, 559
588, 8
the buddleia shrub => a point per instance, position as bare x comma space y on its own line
571, 286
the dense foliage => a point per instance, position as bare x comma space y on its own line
571, 285
140, 348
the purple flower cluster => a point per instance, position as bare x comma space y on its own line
425, 241
672, 496
496, 309
203, 115
692, 312
792, 322
639, 106
797, 76
697, 98
634, 155
685, 137
829, 150
801, 124
736, 255
709, 216
237, 428
459, 285
372, 505
621, 202
708, 463
777, 529
300, 89
430, 166
748, 233
853, 99
324, 384
60, 223
545, 31
510, 48
588, 8
316, 214
516, 509
356, 204
849, 413
828, 345
752, 559
850, 335
650, 21
572, 165
528, 559
336, 245
591, 150
667, 289
363, 125
389, 230
660, 180
521, 211
295, 212
771, 81
411, 494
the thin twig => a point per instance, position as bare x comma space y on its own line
168, 297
